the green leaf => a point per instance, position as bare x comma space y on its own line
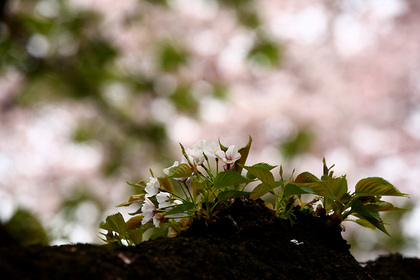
309, 180
197, 185
261, 190
370, 215
229, 178
306, 177
133, 199
329, 188
181, 171
115, 223
229, 194
222, 147
138, 211
161, 231
292, 189
184, 153
376, 186
262, 165
327, 170
139, 184
135, 236
180, 208
337, 186
262, 174
382, 206
363, 222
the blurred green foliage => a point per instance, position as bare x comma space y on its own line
171, 57
66, 57
266, 53
26, 229
79, 208
246, 12
298, 143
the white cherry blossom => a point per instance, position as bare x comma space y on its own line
201, 144
211, 149
152, 188
149, 212
230, 156
177, 202
164, 199
196, 155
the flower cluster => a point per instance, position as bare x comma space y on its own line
194, 158
204, 150
193, 187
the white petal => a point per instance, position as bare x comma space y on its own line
156, 221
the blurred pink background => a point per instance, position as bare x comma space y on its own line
350, 75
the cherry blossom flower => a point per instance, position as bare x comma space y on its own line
230, 156
201, 144
164, 199
177, 202
196, 155
211, 149
152, 188
149, 212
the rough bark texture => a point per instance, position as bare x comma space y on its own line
246, 242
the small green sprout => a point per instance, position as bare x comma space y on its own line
193, 189
364, 203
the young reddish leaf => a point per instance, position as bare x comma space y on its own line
326, 169
133, 199
134, 222
244, 151
139, 184
222, 147
166, 184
